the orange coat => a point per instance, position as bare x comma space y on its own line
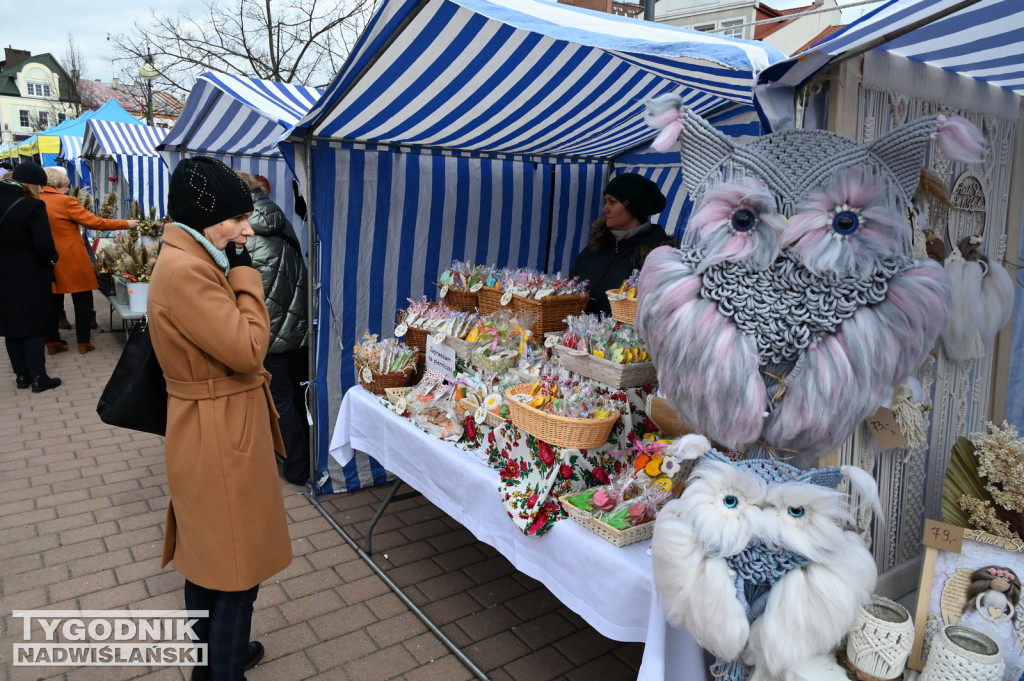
226, 526
74, 271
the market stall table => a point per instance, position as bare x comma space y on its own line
611, 588
129, 317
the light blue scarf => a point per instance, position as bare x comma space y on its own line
218, 256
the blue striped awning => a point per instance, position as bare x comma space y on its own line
524, 77
983, 40
70, 158
236, 115
128, 152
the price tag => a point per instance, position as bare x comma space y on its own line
444, 291
476, 287
367, 375
885, 430
401, 330
439, 337
523, 397
480, 414
506, 297
544, 292
551, 341
943, 536
402, 403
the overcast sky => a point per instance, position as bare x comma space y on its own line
45, 28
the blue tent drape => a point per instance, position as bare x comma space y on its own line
128, 152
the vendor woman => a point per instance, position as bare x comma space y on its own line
622, 237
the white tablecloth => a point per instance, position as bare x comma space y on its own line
611, 588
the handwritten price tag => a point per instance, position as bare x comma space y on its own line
943, 536
401, 330
367, 375
506, 298
444, 291
476, 287
439, 337
551, 341
885, 430
480, 414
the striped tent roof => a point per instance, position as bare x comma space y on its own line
523, 77
112, 139
237, 115
132, 150
983, 40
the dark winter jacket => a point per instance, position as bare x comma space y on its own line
27, 257
606, 263
276, 255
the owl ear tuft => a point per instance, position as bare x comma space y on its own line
961, 140
865, 487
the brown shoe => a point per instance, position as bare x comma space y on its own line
56, 346
85, 347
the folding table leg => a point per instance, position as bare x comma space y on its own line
380, 511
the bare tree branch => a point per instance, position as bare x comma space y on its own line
292, 41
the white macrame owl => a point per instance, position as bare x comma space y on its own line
794, 306
756, 561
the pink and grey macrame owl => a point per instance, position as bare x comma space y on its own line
793, 309
756, 560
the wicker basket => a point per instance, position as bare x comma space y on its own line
463, 349
623, 309
381, 382
630, 535
551, 311
459, 299
560, 431
493, 420
488, 300
604, 371
416, 337
395, 395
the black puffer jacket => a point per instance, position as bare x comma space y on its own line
606, 263
276, 255
27, 256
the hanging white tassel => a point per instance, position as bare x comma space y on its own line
997, 293
961, 339
910, 417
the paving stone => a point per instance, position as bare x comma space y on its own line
381, 665
336, 652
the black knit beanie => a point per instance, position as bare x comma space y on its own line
29, 172
204, 192
644, 197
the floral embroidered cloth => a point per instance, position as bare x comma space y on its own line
534, 473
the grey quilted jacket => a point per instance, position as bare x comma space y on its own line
285, 281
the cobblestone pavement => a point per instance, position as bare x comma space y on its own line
81, 523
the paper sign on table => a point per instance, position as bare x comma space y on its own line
440, 356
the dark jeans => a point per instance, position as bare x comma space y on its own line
291, 416
27, 355
83, 316
226, 630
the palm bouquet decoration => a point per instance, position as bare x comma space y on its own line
126, 257
109, 206
984, 484
149, 224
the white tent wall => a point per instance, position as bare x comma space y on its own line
869, 96
1015, 379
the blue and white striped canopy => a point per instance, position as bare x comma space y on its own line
485, 130
239, 121
523, 77
70, 157
129, 153
983, 40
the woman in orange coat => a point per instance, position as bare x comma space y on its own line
74, 273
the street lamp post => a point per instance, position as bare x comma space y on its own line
148, 72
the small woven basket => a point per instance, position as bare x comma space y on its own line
551, 311
493, 420
417, 338
488, 300
623, 309
395, 395
460, 299
630, 535
560, 431
381, 382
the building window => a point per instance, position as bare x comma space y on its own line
705, 28
39, 90
61, 117
733, 29
23, 118
44, 119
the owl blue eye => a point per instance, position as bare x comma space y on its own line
743, 220
796, 511
846, 222
730, 501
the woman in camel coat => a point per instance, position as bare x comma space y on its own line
74, 273
226, 529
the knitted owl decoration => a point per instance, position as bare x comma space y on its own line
794, 306
755, 560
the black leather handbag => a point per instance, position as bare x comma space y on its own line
135, 396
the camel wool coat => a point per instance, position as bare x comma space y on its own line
74, 271
226, 526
